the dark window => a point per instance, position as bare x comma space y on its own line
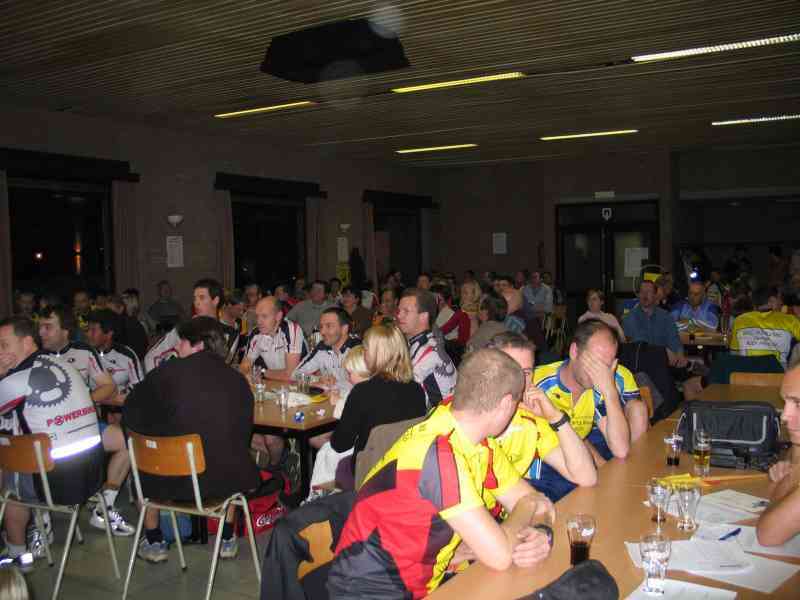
269, 240
60, 236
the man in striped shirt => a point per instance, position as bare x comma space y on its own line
326, 358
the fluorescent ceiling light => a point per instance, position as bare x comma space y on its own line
457, 82
436, 148
749, 120
781, 39
572, 136
263, 109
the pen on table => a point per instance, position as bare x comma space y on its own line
731, 534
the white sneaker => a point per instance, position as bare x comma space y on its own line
35, 541
119, 526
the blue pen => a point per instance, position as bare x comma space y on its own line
733, 533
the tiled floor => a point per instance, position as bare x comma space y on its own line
90, 576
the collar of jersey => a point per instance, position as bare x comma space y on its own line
463, 444
420, 337
563, 364
27, 363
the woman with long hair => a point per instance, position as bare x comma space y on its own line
388, 396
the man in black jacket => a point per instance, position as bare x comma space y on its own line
198, 394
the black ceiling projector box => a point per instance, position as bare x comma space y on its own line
334, 51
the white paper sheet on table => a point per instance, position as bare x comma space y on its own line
737, 501
708, 512
748, 541
683, 590
699, 555
766, 575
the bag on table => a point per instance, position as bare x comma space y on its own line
589, 580
744, 435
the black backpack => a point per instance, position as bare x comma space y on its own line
744, 435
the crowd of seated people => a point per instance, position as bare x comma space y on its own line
461, 356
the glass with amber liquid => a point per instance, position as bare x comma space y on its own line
701, 452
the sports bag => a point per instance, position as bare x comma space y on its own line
744, 435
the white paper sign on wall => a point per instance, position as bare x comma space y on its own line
499, 243
174, 251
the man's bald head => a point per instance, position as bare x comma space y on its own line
268, 314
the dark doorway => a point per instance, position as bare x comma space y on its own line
401, 228
60, 236
600, 246
269, 240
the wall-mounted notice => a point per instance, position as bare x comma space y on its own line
634, 257
499, 243
174, 251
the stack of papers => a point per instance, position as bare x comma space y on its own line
739, 501
710, 512
683, 590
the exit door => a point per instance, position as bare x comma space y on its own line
605, 247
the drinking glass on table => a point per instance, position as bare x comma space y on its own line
688, 498
658, 494
655, 549
701, 452
672, 444
580, 531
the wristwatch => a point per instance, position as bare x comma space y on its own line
557, 425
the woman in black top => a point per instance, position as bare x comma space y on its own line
390, 395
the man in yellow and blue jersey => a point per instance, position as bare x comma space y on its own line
598, 396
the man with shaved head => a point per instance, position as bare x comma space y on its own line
278, 346
696, 311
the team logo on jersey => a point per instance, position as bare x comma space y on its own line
49, 383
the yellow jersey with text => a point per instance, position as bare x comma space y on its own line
764, 333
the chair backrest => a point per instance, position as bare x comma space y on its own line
18, 453
168, 456
320, 539
762, 379
381, 438
647, 398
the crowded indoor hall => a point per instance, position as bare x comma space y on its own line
392, 299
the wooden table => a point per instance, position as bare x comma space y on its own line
267, 418
617, 504
712, 339
720, 392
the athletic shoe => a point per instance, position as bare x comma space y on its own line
229, 548
35, 541
24, 562
119, 526
153, 553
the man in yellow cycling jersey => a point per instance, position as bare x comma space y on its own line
764, 331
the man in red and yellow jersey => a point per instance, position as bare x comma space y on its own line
426, 495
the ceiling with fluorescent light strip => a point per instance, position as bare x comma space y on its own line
176, 64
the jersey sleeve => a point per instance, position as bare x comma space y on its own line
163, 350
547, 440
297, 340
626, 387
94, 368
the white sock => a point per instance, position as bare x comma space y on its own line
110, 497
48, 526
15, 550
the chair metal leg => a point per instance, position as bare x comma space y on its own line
78, 534
102, 502
39, 520
132, 560
73, 524
3, 507
178, 540
215, 557
251, 534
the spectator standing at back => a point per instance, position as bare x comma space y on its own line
361, 317
547, 279
252, 294
538, 295
131, 332
307, 313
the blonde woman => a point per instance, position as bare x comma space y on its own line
388, 396
595, 299
12, 584
327, 458
466, 317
